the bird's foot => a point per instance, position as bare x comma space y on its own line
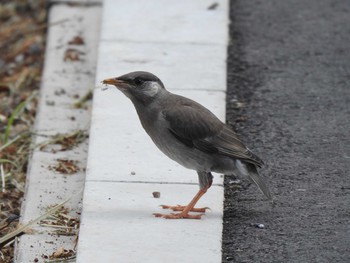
179, 208
178, 216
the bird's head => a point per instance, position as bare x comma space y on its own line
139, 86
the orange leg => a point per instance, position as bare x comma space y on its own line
179, 208
185, 209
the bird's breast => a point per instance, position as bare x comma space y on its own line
188, 157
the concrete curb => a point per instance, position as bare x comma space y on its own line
63, 81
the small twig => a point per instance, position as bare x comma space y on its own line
9, 243
2, 172
58, 226
66, 260
67, 216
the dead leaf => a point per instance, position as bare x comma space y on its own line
62, 253
77, 40
64, 166
66, 141
72, 54
58, 253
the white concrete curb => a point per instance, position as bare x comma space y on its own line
62, 81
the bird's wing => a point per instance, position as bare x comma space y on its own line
190, 120
196, 126
229, 144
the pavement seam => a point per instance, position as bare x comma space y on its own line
147, 182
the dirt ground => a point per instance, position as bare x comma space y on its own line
22, 48
289, 99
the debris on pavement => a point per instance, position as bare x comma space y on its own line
64, 141
156, 194
65, 166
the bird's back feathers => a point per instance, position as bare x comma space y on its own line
196, 126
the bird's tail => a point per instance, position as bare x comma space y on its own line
250, 170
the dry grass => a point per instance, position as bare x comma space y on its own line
62, 223
63, 142
22, 45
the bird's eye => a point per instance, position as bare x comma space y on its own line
138, 81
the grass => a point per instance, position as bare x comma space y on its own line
20, 107
8, 237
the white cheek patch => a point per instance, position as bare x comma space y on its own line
151, 90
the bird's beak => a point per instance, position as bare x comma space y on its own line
116, 82
120, 84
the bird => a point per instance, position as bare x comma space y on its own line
189, 134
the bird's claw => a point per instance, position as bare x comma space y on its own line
178, 216
179, 208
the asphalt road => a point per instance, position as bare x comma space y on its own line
289, 99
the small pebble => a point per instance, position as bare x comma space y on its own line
19, 58
34, 48
3, 118
261, 226
132, 173
156, 194
237, 181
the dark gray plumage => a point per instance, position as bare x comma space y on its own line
189, 134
